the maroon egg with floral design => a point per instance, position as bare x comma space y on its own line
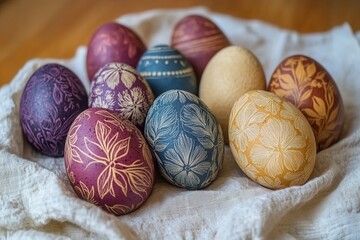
113, 42
119, 87
309, 86
52, 98
108, 161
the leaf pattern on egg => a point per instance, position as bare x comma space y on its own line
85, 193
107, 150
119, 209
201, 125
185, 138
108, 161
307, 84
52, 98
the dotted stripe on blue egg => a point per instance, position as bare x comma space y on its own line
166, 62
163, 57
182, 72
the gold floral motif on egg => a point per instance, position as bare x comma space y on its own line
309, 87
119, 209
85, 193
108, 150
271, 140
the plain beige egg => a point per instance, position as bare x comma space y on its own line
230, 73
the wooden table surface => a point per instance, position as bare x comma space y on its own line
54, 29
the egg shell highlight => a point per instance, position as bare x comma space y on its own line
185, 138
198, 39
307, 84
164, 68
113, 42
52, 98
230, 73
121, 88
271, 140
108, 161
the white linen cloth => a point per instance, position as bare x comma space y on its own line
37, 201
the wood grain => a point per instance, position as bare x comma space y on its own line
54, 29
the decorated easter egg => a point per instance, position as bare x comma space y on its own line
164, 68
121, 88
198, 39
271, 140
113, 42
185, 139
108, 161
305, 83
52, 98
230, 73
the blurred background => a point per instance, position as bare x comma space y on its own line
54, 29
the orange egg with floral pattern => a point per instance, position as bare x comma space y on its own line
271, 140
108, 161
305, 83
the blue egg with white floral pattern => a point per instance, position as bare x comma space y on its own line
164, 68
185, 138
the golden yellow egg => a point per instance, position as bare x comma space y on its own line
230, 73
271, 140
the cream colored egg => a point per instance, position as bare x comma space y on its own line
271, 140
230, 73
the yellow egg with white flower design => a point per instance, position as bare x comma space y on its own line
271, 140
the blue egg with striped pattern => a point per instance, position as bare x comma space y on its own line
165, 68
185, 138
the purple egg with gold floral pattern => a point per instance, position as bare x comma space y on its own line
119, 87
52, 98
113, 42
108, 161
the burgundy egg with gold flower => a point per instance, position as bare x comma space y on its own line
108, 161
309, 86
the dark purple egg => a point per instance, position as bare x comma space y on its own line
121, 88
52, 98
108, 161
113, 42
